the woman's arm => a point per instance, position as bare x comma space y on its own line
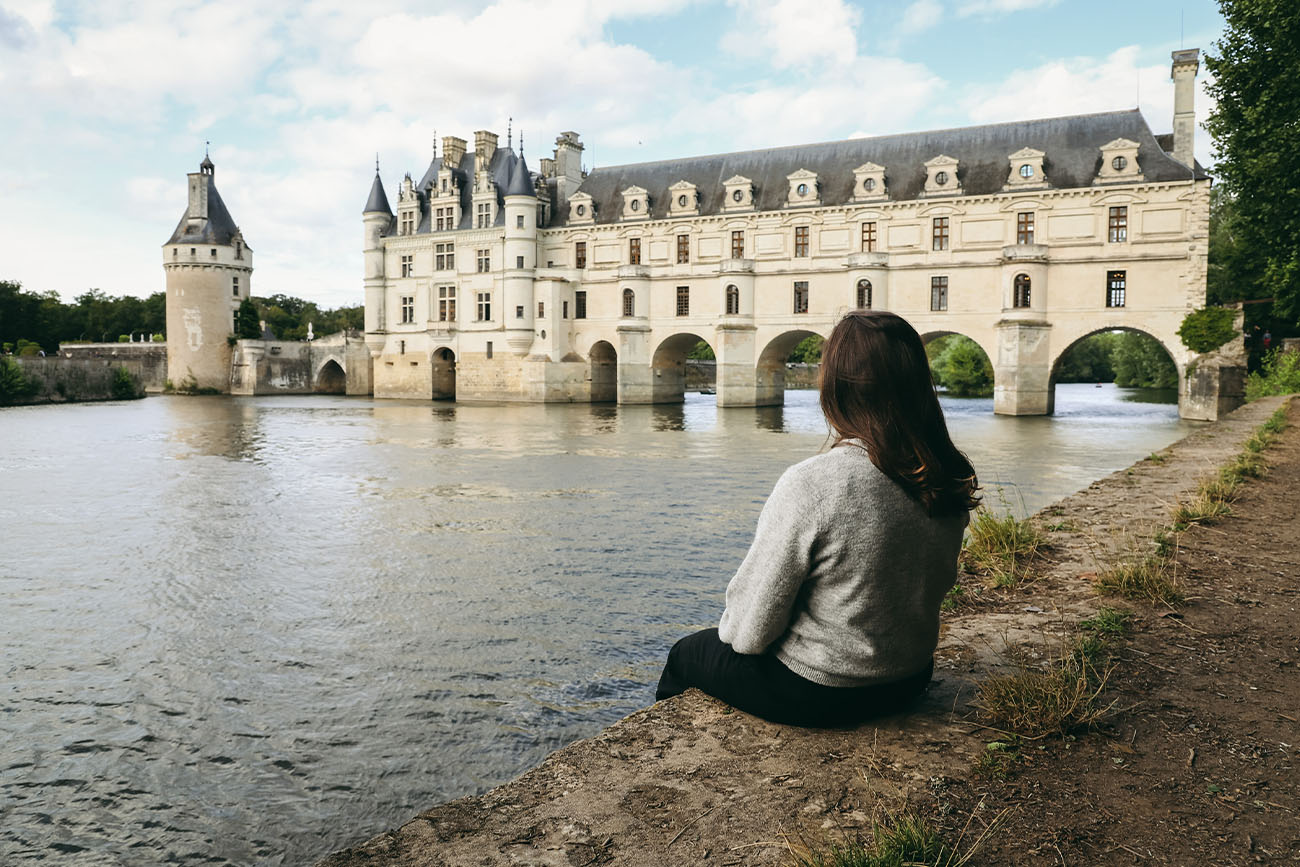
761, 595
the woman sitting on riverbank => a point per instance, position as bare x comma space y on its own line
833, 616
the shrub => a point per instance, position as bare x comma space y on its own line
125, 386
1207, 329
962, 368
15, 385
1278, 374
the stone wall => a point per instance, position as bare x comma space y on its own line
147, 361
704, 374
337, 364
69, 380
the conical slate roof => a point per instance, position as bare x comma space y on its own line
218, 228
521, 180
378, 202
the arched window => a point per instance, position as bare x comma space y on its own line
629, 302
733, 300
1021, 298
864, 294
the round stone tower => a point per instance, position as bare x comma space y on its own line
209, 271
520, 263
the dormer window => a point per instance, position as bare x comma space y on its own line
941, 177
683, 199
1119, 162
803, 189
581, 208
1026, 170
868, 182
739, 194
636, 203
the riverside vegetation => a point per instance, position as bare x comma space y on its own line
54, 382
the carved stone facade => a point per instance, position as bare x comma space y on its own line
1026, 237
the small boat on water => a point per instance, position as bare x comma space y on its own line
707, 390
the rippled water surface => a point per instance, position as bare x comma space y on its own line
254, 630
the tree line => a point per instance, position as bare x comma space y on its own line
32, 322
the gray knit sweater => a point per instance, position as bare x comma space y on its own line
845, 576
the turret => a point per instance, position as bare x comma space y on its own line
376, 218
520, 255
209, 270
1183, 71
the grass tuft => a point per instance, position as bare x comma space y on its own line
1034, 702
1001, 546
1107, 621
1147, 578
903, 840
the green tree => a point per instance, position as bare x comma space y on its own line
808, 350
701, 352
1089, 360
1141, 362
246, 320
962, 368
1256, 85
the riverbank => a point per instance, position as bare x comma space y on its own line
1192, 765
27, 380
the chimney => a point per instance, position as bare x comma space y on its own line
485, 145
546, 166
453, 149
1185, 66
568, 163
198, 205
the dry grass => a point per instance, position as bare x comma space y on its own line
1149, 579
898, 840
1053, 699
1000, 547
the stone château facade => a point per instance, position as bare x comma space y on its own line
489, 281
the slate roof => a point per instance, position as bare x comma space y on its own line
378, 202
521, 180
1071, 145
500, 167
218, 228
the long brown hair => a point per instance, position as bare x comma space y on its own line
876, 388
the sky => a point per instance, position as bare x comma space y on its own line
105, 106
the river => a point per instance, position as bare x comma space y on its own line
254, 630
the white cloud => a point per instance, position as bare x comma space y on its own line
921, 15
965, 8
794, 33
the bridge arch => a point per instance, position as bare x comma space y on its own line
668, 366
330, 377
1057, 357
929, 337
442, 367
603, 359
770, 367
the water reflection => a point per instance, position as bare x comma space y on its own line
244, 628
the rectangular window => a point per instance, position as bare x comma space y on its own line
1119, 223
484, 261
408, 223
801, 296
869, 237
519, 261
519, 221
1116, 288
940, 236
580, 254
234, 286
683, 300
214, 252
938, 293
444, 257
408, 309
1025, 227
683, 249
564, 310
446, 303
484, 218
489, 349
634, 251
580, 304
408, 266
738, 244
519, 311
801, 241
438, 224
541, 309
484, 306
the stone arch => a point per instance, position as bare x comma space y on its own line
1058, 356
770, 369
929, 336
330, 378
603, 358
442, 368
668, 366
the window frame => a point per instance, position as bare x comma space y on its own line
634, 251
408, 265
731, 299
407, 307
869, 237
683, 249
1116, 289
940, 234
800, 298
580, 254
629, 303
580, 304
863, 296
683, 300
801, 234
1025, 227
484, 260
446, 303
483, 306
737, 243
1117, 224
939, 294
1021, 291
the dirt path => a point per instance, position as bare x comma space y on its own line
1196, 766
